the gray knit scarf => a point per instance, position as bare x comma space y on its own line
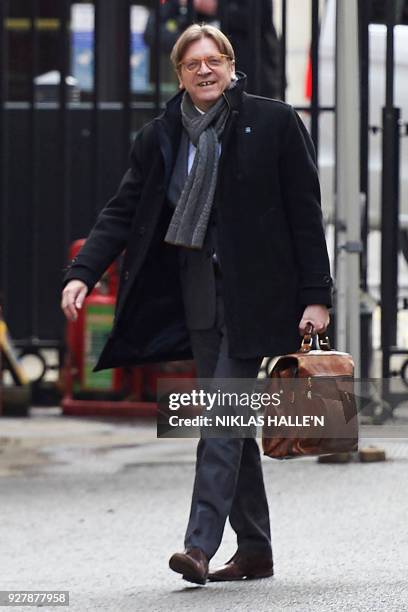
189, 223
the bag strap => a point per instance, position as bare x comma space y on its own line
321, 340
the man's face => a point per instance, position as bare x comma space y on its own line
205, 84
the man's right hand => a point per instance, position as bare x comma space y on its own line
73, 297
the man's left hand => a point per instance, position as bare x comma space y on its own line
316, 315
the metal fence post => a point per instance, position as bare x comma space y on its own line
389, 210
64, 166
3, 150
348, 181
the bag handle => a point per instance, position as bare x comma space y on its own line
322, 341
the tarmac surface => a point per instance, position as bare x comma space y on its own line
97, 508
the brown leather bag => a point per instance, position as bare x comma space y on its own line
311, 383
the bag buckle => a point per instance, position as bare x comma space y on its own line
322, 341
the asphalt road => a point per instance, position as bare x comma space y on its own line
97, 509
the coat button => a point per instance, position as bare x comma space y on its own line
142, 230
326, 279
126, 275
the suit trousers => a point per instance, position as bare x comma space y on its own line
228, 478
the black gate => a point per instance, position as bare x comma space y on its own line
77, 80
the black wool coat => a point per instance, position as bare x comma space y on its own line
271, 242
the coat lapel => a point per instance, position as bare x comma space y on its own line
168, 128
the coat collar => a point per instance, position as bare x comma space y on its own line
234, 95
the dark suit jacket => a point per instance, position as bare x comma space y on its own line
198, 281
271, 242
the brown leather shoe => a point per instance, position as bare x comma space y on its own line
192, 563
242, 567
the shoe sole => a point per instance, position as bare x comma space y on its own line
182, 566
266, 574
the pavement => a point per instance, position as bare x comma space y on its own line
97, 507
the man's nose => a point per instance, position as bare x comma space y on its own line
203, 68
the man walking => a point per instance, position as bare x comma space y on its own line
225, 260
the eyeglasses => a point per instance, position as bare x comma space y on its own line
212, 61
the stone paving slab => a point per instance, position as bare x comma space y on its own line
97, 508
339, 536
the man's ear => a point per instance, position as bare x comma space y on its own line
181, 86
